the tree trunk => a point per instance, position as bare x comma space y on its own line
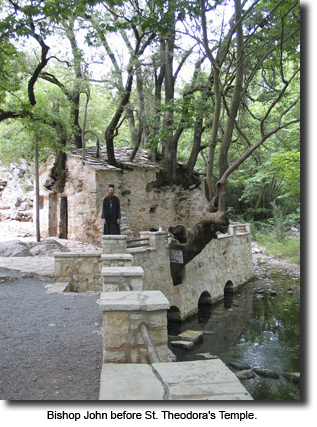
84, 126
111, 130
193, 241
74, 93
37, 192
214, 134
236, 97
169, 148
140, 132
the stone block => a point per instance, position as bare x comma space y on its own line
184, 345
114, 260
133, 301
114, 356
114, 244
86, 267
193, 336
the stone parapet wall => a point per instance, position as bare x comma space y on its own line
227, 260
81, 271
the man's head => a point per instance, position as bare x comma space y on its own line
111, 189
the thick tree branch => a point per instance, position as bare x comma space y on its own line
38, 70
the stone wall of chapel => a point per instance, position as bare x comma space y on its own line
142, 210
160, 207
80, 190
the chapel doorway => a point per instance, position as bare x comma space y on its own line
63, 218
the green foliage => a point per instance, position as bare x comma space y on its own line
293, 219
287, 166
187, 111
278, 217
289, 248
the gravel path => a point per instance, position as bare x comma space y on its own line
50, 343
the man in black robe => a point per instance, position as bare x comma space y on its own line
111, 213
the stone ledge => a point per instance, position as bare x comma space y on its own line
121, 257
140, 250
133, 301
122, 272
115, 237
77, 254
153, 233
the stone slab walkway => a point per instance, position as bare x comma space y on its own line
195, 380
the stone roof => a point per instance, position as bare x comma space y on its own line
122, 155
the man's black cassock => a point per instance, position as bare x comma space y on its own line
111, 213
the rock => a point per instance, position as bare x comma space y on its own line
14, 248
207, 355
240, 366
245, 375
294, 377
194, 336
47, 248
268, 373
4, 279
171, 356
184, 345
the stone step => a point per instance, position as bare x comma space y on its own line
182, 344
114, 244
193, 336
122, 272
122, 278
116, 260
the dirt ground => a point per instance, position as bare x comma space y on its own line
50, 343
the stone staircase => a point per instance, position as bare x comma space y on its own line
117, 270
127, 307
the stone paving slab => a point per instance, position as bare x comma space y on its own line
195, 380
43, 266
129, 382
201, 380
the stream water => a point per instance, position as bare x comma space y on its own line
257, 327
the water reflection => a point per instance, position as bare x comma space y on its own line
262, 330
